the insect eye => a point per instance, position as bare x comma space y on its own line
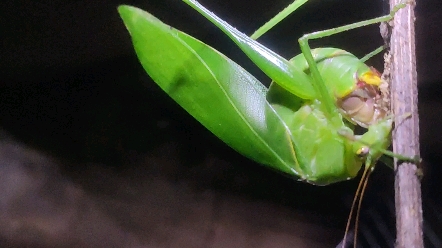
363, 152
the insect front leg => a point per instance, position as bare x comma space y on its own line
328, 32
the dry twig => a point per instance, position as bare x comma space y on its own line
406, 133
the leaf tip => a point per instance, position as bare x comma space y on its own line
130, 16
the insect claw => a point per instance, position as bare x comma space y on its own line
417, 160
420, 174
403, 159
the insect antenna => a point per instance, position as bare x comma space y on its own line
362, 185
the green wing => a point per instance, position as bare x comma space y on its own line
216, 91
272, 64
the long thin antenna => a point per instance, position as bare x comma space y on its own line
356, 199
344, 242
355, 238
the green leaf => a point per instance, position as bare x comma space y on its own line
216, 91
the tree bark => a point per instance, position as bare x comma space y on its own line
406, 133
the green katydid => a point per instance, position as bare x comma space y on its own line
300, 125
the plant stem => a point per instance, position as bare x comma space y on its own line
406, 133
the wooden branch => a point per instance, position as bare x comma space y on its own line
406, 133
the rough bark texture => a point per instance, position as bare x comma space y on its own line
406, 133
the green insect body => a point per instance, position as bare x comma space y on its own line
353, 85
321, 154
297, 126
314, 135
332, 60
353, 82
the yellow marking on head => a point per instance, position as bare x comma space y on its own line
371, 78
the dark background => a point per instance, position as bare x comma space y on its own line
94, 154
